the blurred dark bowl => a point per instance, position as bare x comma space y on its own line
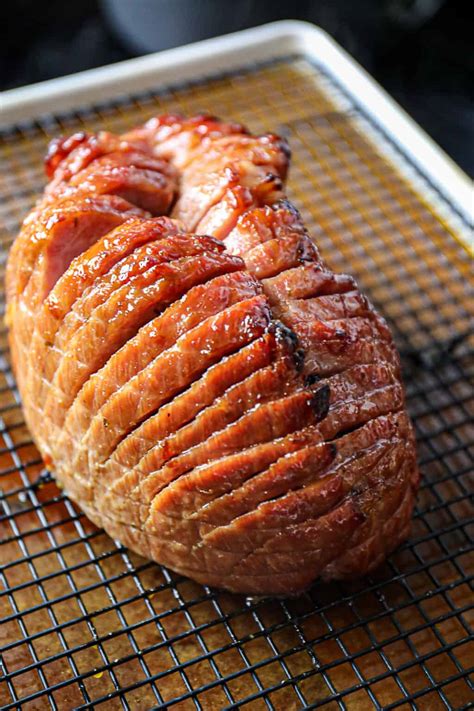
363, 28
151, 25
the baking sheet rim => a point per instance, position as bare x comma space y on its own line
238, 50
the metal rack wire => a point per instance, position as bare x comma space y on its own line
86, 622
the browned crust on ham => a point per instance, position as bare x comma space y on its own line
224, 404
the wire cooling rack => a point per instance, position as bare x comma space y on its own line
88, 624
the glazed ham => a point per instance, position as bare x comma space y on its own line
199, 381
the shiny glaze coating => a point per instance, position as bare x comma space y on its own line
201, 384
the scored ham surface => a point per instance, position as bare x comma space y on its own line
201, 383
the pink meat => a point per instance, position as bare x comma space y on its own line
203, 385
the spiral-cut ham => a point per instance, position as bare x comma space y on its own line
198, 380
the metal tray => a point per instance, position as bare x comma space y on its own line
88, 624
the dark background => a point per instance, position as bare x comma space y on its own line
419, 50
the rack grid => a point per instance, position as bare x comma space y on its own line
87, 623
